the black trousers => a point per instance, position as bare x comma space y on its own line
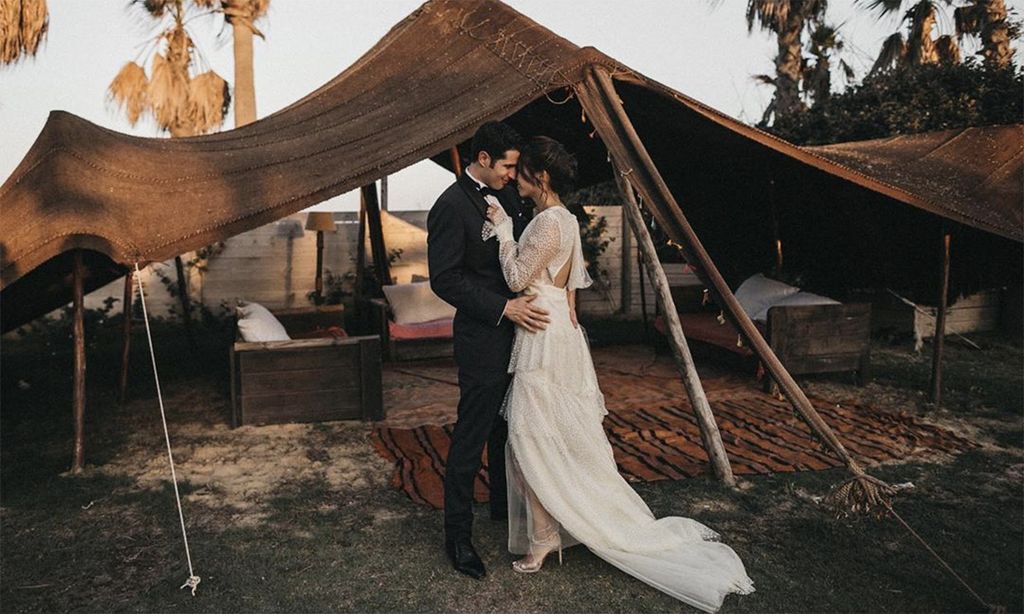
478, 424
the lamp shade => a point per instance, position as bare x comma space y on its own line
320, 220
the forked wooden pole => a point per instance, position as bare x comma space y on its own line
126, 337
939, 339
78, 284
604, 108
680, 349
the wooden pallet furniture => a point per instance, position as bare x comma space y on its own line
806, 338
306, 380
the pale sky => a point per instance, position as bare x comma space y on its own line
692, 46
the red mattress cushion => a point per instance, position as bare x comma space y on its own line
422, 330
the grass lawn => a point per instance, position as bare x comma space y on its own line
302, 518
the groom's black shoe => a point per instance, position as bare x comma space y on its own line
464, 558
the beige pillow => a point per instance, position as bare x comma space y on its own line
257, 324
416, 302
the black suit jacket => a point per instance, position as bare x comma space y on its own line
466, 273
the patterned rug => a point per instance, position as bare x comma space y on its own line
655, 436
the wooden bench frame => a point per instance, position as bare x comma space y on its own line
379, 314
807, 338
306, 380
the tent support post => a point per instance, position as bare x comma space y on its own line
78, 455
186, 307
939, 339
380, 254
456, 161
604, 109
626, 276
680, 349
126, 338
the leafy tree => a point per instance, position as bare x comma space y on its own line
911, 99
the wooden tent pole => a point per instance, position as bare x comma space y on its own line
939, 339
456, 161
126, 337
680, 349
604, 108
380, 253
78, 455
186, 308
360, 250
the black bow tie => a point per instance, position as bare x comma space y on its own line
486, 191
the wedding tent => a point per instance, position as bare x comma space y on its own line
424, 88
107, 200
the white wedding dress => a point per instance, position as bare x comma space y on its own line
562, 478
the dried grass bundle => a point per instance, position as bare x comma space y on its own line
208, 102
861, 494
129, 90
23, 26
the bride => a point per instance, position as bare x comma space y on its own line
564, 487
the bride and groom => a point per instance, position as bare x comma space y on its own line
528, 388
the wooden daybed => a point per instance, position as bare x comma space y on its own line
806, 338
400, 342
330, 377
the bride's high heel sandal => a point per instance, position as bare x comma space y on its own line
534, 565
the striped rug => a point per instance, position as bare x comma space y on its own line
661, 441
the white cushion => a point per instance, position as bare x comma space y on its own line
257, 324
802, 298
415, 303
758, 293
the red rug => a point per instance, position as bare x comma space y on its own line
662, 441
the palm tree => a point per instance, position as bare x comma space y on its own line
989, 21
824, 45
787, 20
183, 99
242, 15
23, 25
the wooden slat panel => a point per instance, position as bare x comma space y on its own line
343, 358
372, 389
290, 404
296, 380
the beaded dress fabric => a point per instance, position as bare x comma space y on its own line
564, 486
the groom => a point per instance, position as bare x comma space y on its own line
465, 272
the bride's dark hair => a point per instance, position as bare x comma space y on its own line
543, 153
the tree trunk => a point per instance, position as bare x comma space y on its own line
245, 87
787, 66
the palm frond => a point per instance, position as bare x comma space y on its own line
768, 14
764, 79
35, 21
948, 50
208, 98
23, 26
882, 7
129, 91
168, 93
894, 50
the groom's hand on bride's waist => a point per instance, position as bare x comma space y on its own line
522, 313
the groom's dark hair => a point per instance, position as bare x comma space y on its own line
495, 138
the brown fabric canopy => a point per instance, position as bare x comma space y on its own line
422, 89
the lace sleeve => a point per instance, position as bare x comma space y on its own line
521, 264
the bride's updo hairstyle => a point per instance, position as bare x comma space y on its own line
544, 153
